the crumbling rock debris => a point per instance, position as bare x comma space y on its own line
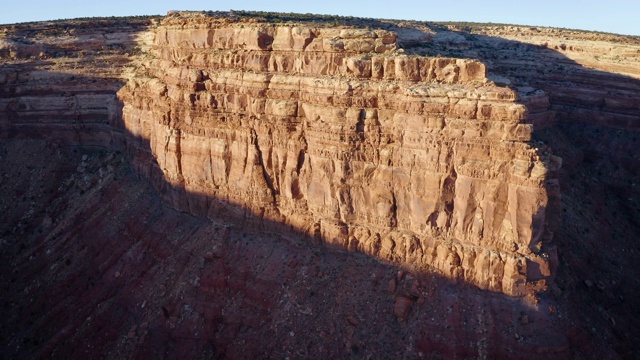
402, 306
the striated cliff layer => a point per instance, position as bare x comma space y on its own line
291, 132
59, 81
590, 78
418, 161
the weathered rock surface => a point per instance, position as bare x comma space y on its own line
414, 160
65, 88
590, 78
291, 134
118, 275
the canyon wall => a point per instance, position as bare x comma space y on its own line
418, 161
374, 136
591, 78
59, 80
592, 81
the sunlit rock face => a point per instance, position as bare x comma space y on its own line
421, 161
281, 140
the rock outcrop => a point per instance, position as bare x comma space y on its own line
60, 80
418, 161
590, 78
294, 137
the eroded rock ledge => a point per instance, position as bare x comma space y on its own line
418, 161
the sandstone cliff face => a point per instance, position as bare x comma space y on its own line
590, 78
60, 80
418, 161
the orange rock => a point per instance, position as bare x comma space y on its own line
330, 131
401, 307
420, 151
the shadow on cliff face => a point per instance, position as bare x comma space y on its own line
596, 133
94, 265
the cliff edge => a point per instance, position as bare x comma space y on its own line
434, 154
418, 161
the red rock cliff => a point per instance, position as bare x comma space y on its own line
59, 81
418, 161
359, 145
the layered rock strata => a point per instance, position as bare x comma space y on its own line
418, 161
590, 78
59, 80
88, 249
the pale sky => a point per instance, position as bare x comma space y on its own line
616, 16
